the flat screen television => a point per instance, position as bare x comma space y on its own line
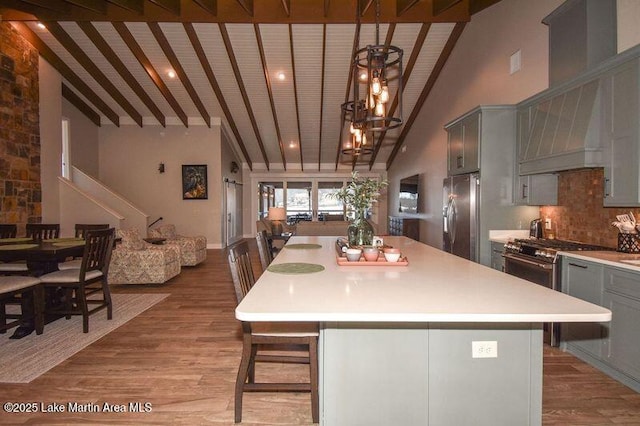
409, 193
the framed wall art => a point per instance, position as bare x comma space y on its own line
194, 182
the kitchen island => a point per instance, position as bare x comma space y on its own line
441, 341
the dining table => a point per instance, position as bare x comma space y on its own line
41, 257
432, 339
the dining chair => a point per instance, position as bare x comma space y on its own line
14, 290
81, 230
8, 230
91, 278
260, 339
264, 251
43, 231
11, 268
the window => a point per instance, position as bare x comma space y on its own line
298, 201
328, 206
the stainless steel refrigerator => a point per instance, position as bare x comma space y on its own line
460, 214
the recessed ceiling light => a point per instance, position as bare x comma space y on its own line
171, 74
292, 144
281, 76
41, 26
363, 76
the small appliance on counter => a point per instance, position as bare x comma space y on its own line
535, 228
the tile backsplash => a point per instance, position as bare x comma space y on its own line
579, 215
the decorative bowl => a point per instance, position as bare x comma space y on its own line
353, 254
391, 254
370, 253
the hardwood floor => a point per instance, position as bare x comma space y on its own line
181, 356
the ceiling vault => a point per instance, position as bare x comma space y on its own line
111, 56
177, 68
115, 58
206, 66
61, 35
295, 96
243, 91
448, 48
138, 52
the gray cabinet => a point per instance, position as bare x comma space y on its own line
622, 297
497, 261
622, 130
463, 145
536, 190
584, 280
612, 347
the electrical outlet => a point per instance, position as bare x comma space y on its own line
547, 223
484, 349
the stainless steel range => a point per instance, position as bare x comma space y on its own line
536, 260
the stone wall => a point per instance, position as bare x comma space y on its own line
579, 215
20, 190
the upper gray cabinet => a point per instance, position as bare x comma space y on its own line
621, 87
564, 130
463, 145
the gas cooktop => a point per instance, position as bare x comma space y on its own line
546, 249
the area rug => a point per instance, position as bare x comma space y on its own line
25, 359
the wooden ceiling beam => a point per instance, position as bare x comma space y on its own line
206, 66
295, 95
440, 6
246, 11
180, 72
354, 49
322, 81
247, 5
172, 6
66, 72
415, 52
210, 6
267, 80
243, 91
433, 77
137, 51
78, 54
97, 6
81, 105
92, 33
135, 6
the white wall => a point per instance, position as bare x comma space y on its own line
83, 140
476, 73
129, 159
50, 140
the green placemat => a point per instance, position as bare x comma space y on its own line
295, 268
69, 243
18, 246
64, 240
15, 240
303, 246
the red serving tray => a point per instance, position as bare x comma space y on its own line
342, 261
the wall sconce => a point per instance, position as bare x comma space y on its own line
161, 168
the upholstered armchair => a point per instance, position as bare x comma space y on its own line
193, 250
134, 261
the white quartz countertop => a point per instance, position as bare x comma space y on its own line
435, 287
629, 261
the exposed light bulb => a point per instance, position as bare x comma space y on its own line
364, 139
352, 129
371, 101
376, 87
363, 76
384, 96
379, 110
358, 135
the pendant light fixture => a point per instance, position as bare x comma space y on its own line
374, 67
